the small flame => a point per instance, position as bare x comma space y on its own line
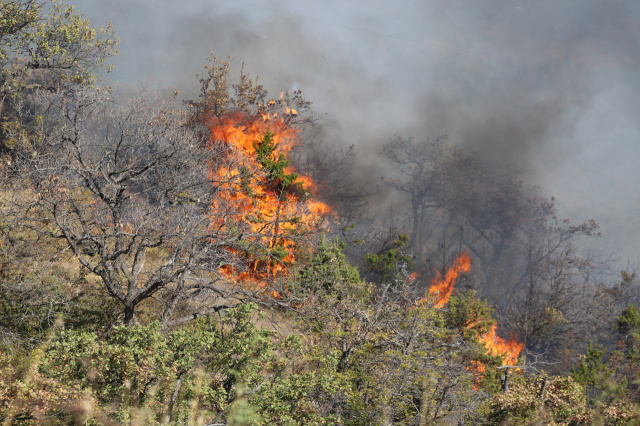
290, 111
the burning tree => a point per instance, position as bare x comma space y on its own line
166, 218
527, 259
272, 204
442, 287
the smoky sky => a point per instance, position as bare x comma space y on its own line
547, 87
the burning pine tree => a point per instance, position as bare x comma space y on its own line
259, 196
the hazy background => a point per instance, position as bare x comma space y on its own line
550, 87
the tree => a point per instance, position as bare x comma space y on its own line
274, 208
126, 190
457, 202
626, 357
138, 372
527, 260
592, 372
420, 177
543, 400
545, 303
44, 45
389, 259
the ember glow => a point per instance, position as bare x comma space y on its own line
268, 216
441, 290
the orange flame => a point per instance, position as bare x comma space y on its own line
497, 346
268, 217
442, 288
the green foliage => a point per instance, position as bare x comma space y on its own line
610, 379
389, 260
628, 326
592, 372
312, 394
241, 351
541, 400
24, 393
132, 367
274, 165
121, 368
624, 362
470, 315
472, 318
52, 36
555, 400
330, 272
226, 370
399, 361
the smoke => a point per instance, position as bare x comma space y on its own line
546, 87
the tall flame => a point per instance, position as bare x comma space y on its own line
270, 217
441, 290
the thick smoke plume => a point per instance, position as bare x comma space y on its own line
546, 87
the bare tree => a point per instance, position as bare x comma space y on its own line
546, 303
419, 175
457, 202
127, 189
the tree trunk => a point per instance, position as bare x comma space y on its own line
542, 388
505, 381
174, 396
129, 315
424, 403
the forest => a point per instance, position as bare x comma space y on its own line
210, 262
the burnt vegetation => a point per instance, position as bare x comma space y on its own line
211, 262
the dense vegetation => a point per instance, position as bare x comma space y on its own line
163, 263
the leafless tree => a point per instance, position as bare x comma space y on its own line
419, 175
528, 261
457, 202
127, 189
546, 307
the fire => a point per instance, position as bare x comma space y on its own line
497, 346
442, 288
272, 216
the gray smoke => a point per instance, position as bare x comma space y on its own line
547, 87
